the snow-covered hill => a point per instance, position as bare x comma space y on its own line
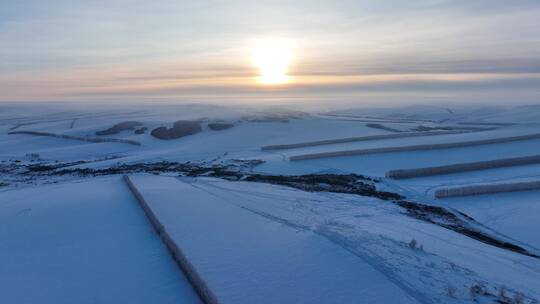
69, 222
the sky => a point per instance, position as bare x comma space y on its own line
122, 50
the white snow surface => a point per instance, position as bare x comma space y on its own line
375, 232
83, 242
513, 214
248, 258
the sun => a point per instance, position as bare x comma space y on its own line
272, 57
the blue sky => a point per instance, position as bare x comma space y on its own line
101, 50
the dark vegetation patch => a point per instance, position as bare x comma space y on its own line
180, 128
336, 183
218, 126
123, 126
49, 168
231, 172
458, 222
161, 167
140, 130
10, 167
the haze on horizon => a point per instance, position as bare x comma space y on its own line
73, 50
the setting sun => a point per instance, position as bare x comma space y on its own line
272, 57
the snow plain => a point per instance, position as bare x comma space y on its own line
247, 258
83, 242
513, 214
88, 236
378, 232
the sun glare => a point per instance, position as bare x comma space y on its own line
272, 57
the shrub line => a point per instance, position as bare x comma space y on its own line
487, 189
87, 139
463, 167
355, 139
461, 144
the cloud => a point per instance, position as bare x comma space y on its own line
58, 49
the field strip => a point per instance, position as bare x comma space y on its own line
356, 139
80, 138
377, 118
500, 124
463, 167
383, 127
460, 144
487, 189
178, 256
21, 122
234, 255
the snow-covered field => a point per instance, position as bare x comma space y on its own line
245, 257
73, 232
83, 242
513, 214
